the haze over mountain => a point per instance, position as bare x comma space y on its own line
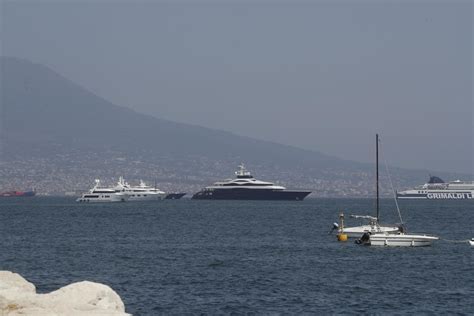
319, 75
45, 113
57, 133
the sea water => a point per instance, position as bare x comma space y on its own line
242, 257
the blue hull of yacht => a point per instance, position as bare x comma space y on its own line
251, 194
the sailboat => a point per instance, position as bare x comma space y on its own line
373, 225
397, 239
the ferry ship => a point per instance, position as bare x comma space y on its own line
101, 194
142, 192
246, 187
437, 189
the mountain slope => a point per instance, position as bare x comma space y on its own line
43, 110
57, 136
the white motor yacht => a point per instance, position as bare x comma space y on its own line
142, 192
102, 194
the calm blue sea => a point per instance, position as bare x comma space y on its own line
229, 257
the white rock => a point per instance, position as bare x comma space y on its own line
18, 297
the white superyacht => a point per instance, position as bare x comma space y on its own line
141, 192
102, 194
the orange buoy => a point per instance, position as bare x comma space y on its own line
342, 237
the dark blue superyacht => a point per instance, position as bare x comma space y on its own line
246, 187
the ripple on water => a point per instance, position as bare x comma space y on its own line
253, 258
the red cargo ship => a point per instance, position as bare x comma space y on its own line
17, 193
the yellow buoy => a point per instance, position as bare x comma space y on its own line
342, 237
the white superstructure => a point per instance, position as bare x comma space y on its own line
141, 192
102, 194
245, 179
437, 189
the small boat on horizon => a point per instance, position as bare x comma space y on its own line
18, 193
174, 196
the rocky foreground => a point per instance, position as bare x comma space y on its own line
19, 297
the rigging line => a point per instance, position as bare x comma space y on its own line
393, 190
455, 241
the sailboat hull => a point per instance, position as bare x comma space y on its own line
401, 240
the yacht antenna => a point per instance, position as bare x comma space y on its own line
377, 172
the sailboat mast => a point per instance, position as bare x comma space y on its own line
377, 172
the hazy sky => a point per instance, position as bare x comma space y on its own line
319, 75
